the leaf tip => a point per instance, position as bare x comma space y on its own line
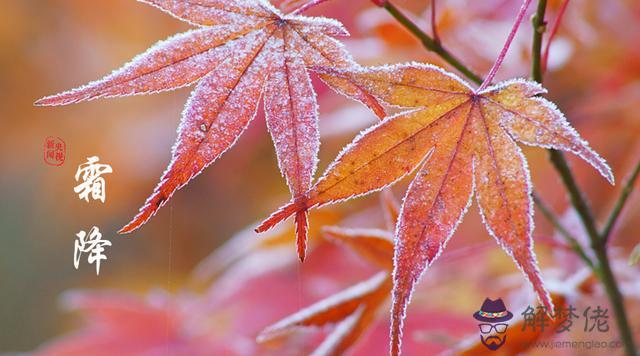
401, 295
263, 336
146, 212
609, 176
40, 102
129, 228
51, 100
277, 217
605, 170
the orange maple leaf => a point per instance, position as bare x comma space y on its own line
243, 49
467, 140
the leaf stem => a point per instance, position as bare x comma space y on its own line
429, 43
507, 44
598, 245
622, 199
306, 6
552, 34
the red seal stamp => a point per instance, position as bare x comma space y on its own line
55, 151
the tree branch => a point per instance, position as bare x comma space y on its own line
617, 208
539, 27
429, 43
571, 240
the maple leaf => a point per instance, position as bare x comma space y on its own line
467, 141
242, 50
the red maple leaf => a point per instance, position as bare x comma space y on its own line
242, 50
464, 141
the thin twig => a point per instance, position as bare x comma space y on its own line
552, 34
619, 205
551, 242
539, 26
288, 6
507, 44
575, 194
306, 6
571, 240
429, 43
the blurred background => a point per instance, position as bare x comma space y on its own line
47, 46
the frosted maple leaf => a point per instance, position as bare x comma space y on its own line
242, 50
461, 141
